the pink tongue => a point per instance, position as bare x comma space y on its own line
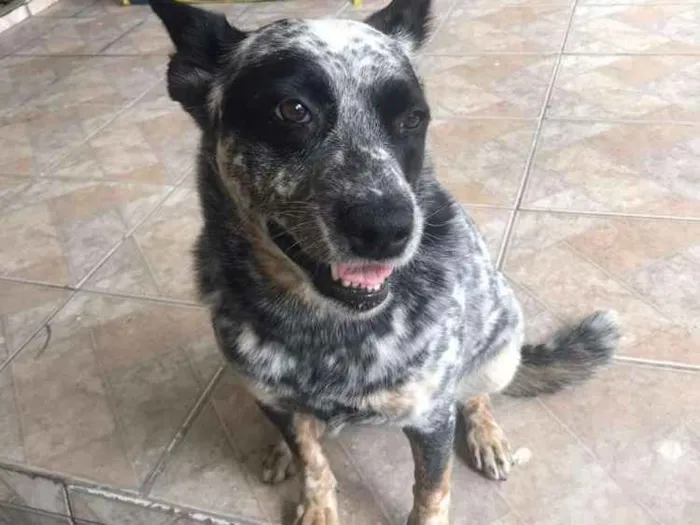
367, 275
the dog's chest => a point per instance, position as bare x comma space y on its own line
386, 379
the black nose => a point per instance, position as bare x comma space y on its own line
379, 229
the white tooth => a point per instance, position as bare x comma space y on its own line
334, 271
346, 284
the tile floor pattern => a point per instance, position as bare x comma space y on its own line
569, 128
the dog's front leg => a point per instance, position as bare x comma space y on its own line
431, 445
301, 434
318, 505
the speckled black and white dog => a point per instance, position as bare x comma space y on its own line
345, 284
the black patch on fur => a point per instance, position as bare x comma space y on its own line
407, 18
257, 89
434, 447
201, 39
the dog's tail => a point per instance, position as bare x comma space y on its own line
570, 357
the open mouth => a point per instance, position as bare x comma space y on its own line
359, 286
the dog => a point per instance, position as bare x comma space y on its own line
345, 284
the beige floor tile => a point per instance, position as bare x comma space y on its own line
627, 87
83, 35
102, 8
644, 269
115, 81
22, 77
57, 231
486, 86
481, 161
154, 141
496, 27
562, 482
10, 424
22, 34
628, 168
66, 8
149, 38
124, 373
642, 425
157, 261
21, 489
204, 472
17, 516
663, 29
22, 310
32, 139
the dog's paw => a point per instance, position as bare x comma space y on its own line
489, 450
318, 512
422, 518
279, 464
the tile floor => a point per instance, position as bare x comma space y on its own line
570, 130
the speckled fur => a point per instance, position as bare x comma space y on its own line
451, 327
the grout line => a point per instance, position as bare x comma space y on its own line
107, 179
484, 206
633, 53
120, 37
505, 242
147, 264
436, 29
204, 516
609, 214
32, 510
58, 478
21, 280
378, 499
543, 54
482, 117
146, 298
69, 505
248, 477
657, 364
605, 120
194, 412
123, 239
79, 11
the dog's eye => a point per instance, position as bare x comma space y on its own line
413, 120
293, 111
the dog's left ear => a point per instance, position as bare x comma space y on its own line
406, 20
202, 41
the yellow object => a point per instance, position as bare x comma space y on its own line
356, 2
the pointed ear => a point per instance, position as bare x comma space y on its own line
407, 20
202, 39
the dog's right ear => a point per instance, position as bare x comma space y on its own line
202, 40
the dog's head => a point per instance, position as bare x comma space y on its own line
319, 129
